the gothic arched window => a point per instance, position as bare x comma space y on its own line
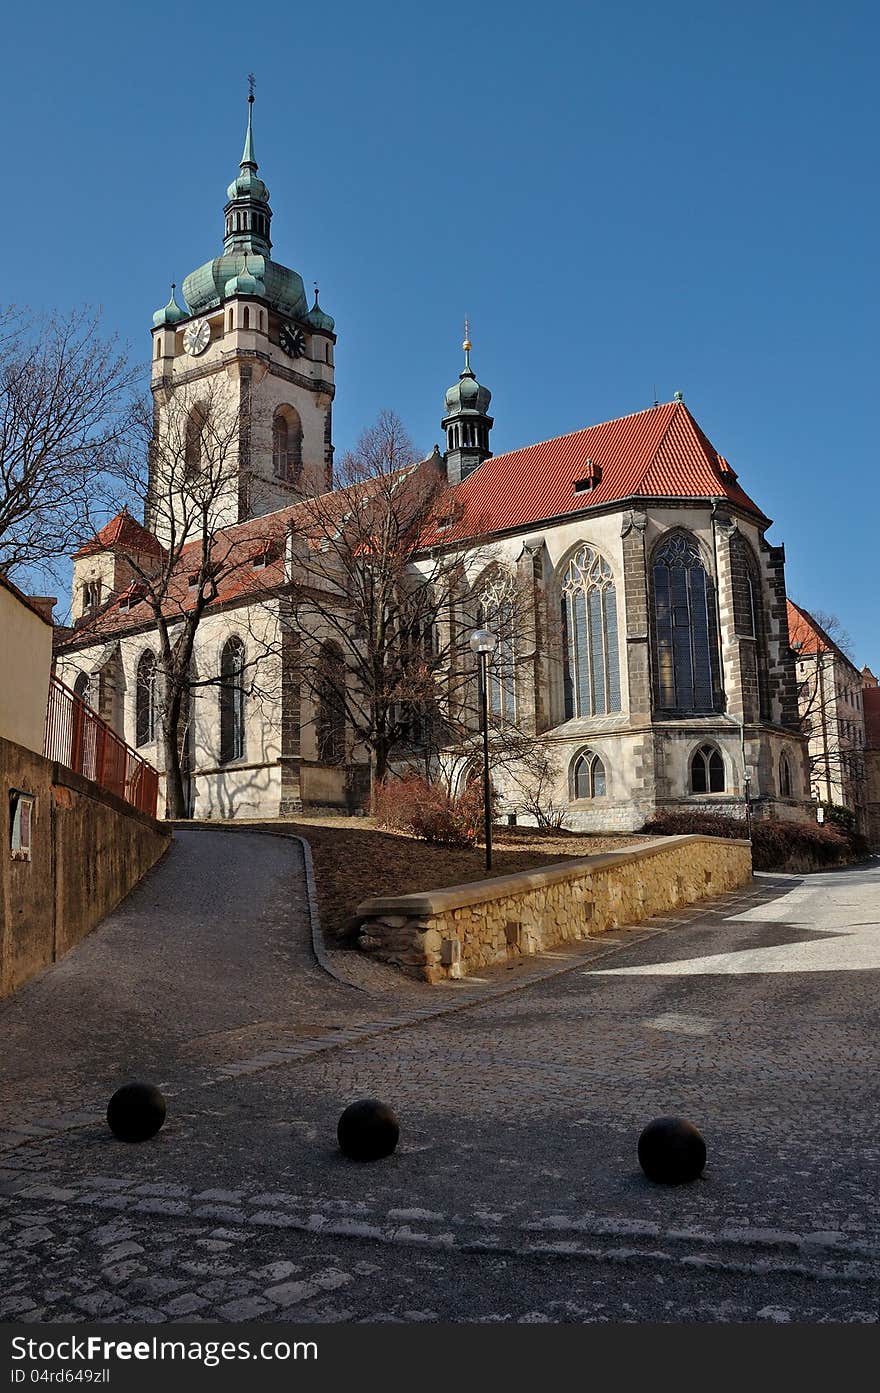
232, 700
496, 611
686, 667
81, 686
331, 704
748, 615
145, 699
591, 661
287, 444
707, 770
588, 776
785, 780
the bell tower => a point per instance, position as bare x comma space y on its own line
242, 375
467, 423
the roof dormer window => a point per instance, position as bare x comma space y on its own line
591, 479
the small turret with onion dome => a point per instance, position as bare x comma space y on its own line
318, 319
467, 422
170, 313
244, 282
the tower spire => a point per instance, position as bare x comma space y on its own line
466, 421
247, 154
247, 212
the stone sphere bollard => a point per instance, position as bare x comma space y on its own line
368, 1130
136, 1112
671, 1151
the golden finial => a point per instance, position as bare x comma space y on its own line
467, 337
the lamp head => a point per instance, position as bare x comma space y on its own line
483, 641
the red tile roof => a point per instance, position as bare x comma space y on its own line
871, 706
807, 636
657, 453
122, 531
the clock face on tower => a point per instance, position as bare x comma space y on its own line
292, 340
196, 337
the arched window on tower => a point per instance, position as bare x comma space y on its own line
588, 776
246, 323
785, 779
146, 699
287, 444
686, 666
707, 770
232, 698
194, 445
330, 720
591, 660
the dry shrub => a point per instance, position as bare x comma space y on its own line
776, 846
429, 812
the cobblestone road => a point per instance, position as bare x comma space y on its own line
514, 1194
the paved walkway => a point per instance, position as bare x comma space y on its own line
514, 1193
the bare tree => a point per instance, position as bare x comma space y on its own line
377, 603
188, 476
64, 396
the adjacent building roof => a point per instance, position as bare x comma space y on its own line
657, 453
121, 532
40, 605
806, 635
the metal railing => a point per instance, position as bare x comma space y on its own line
78, 738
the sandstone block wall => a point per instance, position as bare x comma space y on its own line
447, 933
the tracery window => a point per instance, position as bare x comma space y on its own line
496, 611
591, 659
687, 670
588, 776
145, 699
707, 770
232, 700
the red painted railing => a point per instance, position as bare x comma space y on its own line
80, 739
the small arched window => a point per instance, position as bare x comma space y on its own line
785, 780
707, 770
331, 704
591, 661
230, 321
287, 444
81, 686
247, 317
588, 776
145, 699
232, 700
687, 671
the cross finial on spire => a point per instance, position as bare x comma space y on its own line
467, 345
252, 82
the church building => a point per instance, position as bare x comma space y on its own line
653, 654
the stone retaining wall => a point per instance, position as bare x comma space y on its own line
446, 933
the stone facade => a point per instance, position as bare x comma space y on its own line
446, 933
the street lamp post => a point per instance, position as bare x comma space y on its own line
483, 646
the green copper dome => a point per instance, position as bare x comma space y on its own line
170, 313
466, 394
318, 319
207, 287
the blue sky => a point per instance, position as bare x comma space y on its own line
627, 199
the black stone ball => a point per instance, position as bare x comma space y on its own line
136, 1112
671, 1151
368, 1130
